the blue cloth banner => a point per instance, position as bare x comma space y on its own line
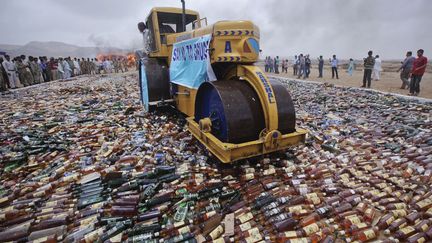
190, 62
144, 86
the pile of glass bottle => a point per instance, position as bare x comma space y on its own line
81, 162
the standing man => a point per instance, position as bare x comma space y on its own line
60, 69
406, 69
417, 71
320, 66
377, 68
35, 70
369, 63
301, 66
334, 65
276, 63
295, 65
2, 79
307, 66
350, 67
77, 67
67, 70
6, 73
24, 74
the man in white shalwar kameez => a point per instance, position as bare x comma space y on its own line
10, 69
60, 68
67, 69
377, 68
77, 67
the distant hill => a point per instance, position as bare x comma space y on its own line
56, 49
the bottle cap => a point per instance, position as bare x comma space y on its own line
387, 232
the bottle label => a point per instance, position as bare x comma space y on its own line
421, 240
97, 205
303, 190
2, 216
424, 227
245, 217
216, 232
390, 220
424, 203
370, 234
88, 220
40, 240
249, 170
399, 205
300, 240
290, 234
315, 200
361, 225
270, 171
245, 226
249, 176
354, 220
3, 199
295, 209
399, 213
407, 230
254, 235
47, 210
179, 224
184, 230
310, 229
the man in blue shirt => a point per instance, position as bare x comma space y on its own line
406, 69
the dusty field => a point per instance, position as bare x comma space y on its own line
389, 82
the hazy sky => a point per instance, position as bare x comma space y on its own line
347, 28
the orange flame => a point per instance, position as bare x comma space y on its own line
131, 60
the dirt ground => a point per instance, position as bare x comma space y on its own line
389, 82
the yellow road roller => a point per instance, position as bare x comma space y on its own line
207, 72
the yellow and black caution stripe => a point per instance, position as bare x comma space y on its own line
229, 59
233, 32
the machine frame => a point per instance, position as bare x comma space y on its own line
234, 50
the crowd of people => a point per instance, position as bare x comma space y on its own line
412, 68
25, 71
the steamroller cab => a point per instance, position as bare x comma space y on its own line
207, 72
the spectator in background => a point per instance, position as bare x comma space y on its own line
350, 67
286, 66
320, 66
266, 66
307, 67
334, 66
369, 63
53, 66
60, 69
271, 64
67, 70
417, 71
35, 70
3, 77
406, 69
77, 67
10, 69
295, 67
276, 64
71, 66
43, 66
24, 73
377, 68
301, 66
